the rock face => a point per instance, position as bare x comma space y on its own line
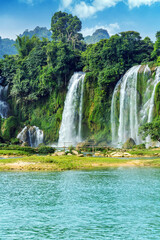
32, 136
129, 143
98, 35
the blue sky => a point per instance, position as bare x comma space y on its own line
114, 15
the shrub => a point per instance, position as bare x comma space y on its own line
15, 141
70, 148
9, 127
140, 146
46, 150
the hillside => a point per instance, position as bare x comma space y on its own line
7, 45
98, 35
40, 32
39, 77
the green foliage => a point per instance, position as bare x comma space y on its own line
70, 148
24, 45
6, 47
66, 28
38, 77
14, 141
140, 146
45, 150
157, 101
156, 51
9, 128
19, 148
152, 129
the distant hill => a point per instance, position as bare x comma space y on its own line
6, 47
6, 44
40, 32
98, 35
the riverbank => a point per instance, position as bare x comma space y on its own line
60, 163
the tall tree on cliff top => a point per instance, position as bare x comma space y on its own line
156, 51
66, 28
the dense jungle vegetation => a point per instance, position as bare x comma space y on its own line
39, 74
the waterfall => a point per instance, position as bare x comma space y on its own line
4, 108
71, 127
132, 104
156, 81
114, 113
33, 136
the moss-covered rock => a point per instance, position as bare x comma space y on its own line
129, 144
9, 127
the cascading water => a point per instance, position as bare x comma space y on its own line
71, 127
132, 104
33, 136
4, 108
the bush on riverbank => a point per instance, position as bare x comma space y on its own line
45, 150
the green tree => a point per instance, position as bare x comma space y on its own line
24, 45
152, 129
156, 51
66, 28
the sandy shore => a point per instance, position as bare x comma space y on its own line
50, 163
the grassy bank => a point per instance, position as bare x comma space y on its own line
59, 163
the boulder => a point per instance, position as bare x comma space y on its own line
69, 154
75, 152
129, 144
99, 154
80, 155
118, 154
59, 154
127, 154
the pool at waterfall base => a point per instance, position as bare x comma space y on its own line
115, 203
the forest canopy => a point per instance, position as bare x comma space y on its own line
42, 68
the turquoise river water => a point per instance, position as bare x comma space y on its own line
122, 203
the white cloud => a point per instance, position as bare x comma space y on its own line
84, 10
111, 28
66, 3
138, 3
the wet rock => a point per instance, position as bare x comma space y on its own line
127, 154
80, 155
129, 144
89, 155
118, 154
59, 154
75, 152
99, 154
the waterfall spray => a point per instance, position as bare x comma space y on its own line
71, 129
133, 109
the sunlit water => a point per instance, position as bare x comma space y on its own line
111, 204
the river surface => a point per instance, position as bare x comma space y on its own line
122, 203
